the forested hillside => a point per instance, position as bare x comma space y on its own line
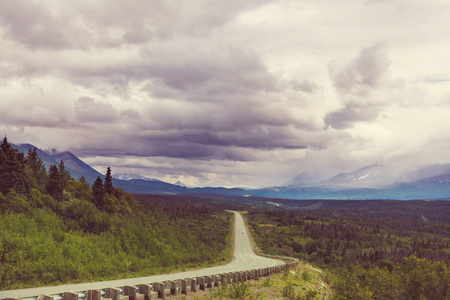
381, 253
55, 229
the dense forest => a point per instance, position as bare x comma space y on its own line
381, 253
54, 229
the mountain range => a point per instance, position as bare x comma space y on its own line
371, 182
129, 176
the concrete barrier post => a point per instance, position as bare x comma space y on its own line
130, 291
172, 286
70, 296
193, 283
201, 283
222, 278
160, 289
208, 280
113, 293
183, 284
228, 278
145, 290
215, 280
93, 295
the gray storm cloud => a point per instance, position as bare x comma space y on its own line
227, 92
88, 110
364, 85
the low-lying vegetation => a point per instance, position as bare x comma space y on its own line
366, 256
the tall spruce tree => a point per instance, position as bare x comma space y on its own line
99, 193
82, 179
109, 189
3, 173
54, 185
12, 169
64, 174
36, 169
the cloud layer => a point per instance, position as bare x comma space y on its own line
237, 94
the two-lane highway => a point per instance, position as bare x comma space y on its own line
244, 259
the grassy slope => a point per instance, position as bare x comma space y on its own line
42, 248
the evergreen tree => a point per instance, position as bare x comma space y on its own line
36, 168
12, 169
3, 173
64, 174
99, 193
5, 146
109, 189
82, 179
54, 185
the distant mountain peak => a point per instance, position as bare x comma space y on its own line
179, 183
371, 176
131, 176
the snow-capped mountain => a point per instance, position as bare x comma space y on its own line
370, 176
426, 172
129, 176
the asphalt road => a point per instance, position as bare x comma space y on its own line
244, 259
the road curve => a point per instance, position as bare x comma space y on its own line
244, 258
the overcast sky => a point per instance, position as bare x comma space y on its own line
228, 93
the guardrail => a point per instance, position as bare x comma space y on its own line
161, 289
